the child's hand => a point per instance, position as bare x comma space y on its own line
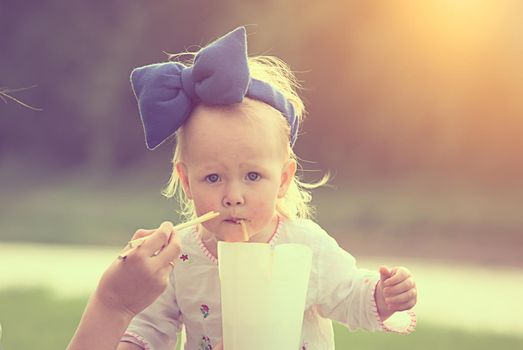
396, 291
132, 284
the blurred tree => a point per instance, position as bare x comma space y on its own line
399, 88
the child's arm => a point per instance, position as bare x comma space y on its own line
357, 297
127, 287
396, 291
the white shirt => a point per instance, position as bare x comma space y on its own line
337, 291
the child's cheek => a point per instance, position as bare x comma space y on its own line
205, 202
262, 212
205, 205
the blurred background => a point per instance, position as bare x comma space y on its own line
416, 107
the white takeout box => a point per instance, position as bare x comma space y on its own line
263, 291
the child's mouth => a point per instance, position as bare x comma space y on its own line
234, 221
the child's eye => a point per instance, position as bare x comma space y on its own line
212, 178
253, 176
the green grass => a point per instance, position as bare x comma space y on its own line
426, 337
37, 319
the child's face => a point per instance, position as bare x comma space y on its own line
235, 162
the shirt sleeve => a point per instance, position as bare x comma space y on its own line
346, 293
155, 328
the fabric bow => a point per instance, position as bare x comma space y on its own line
167, 92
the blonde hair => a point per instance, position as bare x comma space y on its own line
296, 202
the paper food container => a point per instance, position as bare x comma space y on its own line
263, 291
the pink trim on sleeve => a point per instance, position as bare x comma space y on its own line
139, 339
409, 329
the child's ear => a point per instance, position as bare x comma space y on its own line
181, 169
289, 169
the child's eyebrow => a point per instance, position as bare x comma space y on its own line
211, 167
218, 166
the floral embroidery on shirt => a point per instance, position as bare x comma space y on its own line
185, 258
205, 310
205, 343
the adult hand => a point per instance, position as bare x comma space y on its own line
131, 284
396, 291
127, 287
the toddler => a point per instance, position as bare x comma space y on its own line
236, 119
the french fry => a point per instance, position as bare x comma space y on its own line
245, 232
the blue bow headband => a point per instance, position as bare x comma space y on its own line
168, 92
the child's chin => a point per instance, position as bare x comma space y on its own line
233, 235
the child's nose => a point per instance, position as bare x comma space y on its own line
231, 203
233, 197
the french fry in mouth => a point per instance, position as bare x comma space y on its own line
245, 232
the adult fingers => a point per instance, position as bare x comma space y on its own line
171, 251
142, 233
159, 239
